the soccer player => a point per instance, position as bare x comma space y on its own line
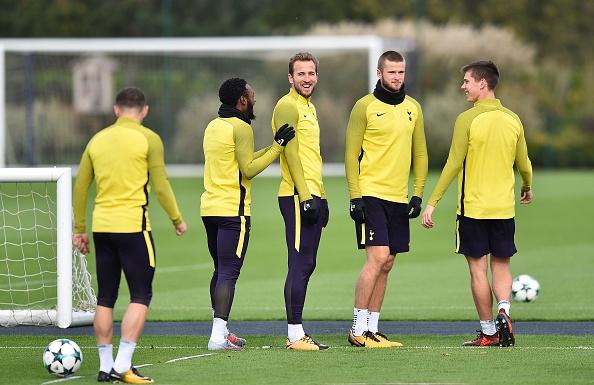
229, 164
301, 195
123, 159
385, 135
488, 140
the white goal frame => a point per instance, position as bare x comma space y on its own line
62, 316
373, 45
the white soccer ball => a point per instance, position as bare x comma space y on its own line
525, 288
62, 357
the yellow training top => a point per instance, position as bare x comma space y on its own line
301, 162
382, 140
123, 158
488, 139
229, 164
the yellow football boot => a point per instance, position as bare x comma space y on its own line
131, 376
368, 340
383, 337
305, 344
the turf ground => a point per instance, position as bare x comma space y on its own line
554, 239
424, 360
554, 236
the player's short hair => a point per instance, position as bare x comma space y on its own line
131, 97
231, 90
302, 56
389, 56
483, 69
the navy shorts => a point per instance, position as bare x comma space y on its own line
133, 253
478, 237
386, 224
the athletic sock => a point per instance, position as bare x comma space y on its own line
295, 332
219, 326
359, 321
105, 357
373, 320
123, 361
505, 305
488, 327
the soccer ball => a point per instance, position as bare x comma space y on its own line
525, 288
62, 357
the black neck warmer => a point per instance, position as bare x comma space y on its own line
227, 111
389, 97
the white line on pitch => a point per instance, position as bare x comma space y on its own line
340, 347
189, 357
62, 380
142, 365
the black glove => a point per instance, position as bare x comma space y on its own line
325, 215
284, 134
309, 211
357, 210
414, 207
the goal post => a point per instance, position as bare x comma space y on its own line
49, 217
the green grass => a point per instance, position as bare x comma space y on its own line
554, 239
424, 359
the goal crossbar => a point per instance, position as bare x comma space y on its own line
246, 47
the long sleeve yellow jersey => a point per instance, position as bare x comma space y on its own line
122, 159
382, 142
488, 140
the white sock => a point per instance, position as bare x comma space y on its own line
123, 361
105, 357
295, 332
219, 326
372, 321
359, 321
226, 330
488, 327
505, 305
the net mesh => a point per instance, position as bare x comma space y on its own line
28, 256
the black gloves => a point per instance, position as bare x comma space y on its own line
357, 210
414, 207
284, 134
325, 215
309, 211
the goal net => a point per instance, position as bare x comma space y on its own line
43, 279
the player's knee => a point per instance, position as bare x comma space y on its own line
307, 267
387, 265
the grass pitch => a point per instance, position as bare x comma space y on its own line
423, 360
553, 236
